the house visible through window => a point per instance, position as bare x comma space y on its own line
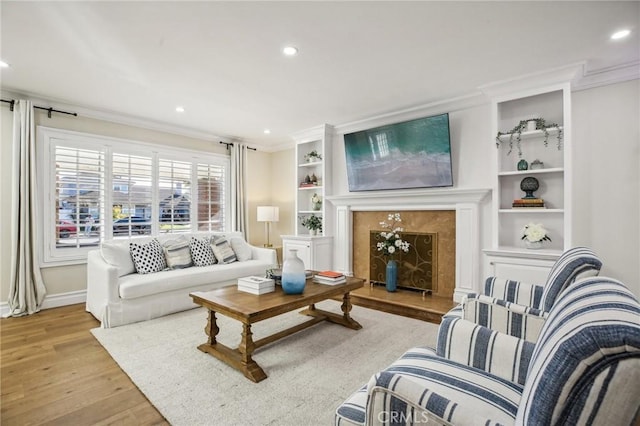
96, 188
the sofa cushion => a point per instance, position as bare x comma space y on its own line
201, 252
178, 255
241, 248
136, 285
222, 250
148, 257
117, 254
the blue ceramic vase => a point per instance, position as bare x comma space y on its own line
392, 276
293, 275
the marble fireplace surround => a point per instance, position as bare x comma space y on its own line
465, 203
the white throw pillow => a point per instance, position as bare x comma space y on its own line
118, 255
148, 257
222, 250
178, 256
201, 252
241, 248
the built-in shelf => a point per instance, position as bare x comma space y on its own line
316, 212
533, 172
529, 210
311, 164
316, 187
553, 131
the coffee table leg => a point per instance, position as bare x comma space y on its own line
212, 329
250, 368
346, 308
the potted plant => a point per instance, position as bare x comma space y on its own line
534, 234
523, 125
312, 156
312, 223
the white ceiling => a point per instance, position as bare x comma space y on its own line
222, 60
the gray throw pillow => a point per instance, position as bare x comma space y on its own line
222, 250
178, 255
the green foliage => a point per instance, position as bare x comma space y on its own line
311, 222
516, 133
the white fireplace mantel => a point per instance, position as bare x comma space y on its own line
465, 202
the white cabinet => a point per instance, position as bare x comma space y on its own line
552, 148
315, 252
313, 177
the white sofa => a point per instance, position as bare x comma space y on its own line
117, 295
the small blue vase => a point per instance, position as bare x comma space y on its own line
294, 277
392, 276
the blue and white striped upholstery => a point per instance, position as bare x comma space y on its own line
574, 263
519, 292
509, 318
476, 346
585, 367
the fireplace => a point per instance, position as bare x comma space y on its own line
417, 268
464, 245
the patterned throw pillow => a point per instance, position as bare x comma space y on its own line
148, 257
178, 255
201, 252
222, 250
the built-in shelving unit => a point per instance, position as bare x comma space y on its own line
315, 250
508, 255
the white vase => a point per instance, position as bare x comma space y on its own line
313, 232
531, 125
533, 245
293, 274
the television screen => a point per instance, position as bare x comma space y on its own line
411, 154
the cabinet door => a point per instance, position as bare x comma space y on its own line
304, 251
518, 269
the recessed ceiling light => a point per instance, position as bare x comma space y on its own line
290, 51
267, 131
3, 64
620, 34
179, 109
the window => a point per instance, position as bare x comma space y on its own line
95, 188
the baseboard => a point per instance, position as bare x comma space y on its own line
54, 300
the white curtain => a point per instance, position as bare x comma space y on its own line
239, 207
26, 291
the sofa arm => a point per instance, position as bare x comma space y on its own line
102, 284
515, 320
476, 346
514, 291
264, 254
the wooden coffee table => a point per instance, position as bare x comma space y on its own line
249, 309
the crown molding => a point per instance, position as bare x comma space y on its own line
589, 79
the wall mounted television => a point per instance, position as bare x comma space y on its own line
410, 154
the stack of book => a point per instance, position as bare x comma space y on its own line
329, 278
528, 202
256, 285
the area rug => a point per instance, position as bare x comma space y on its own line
310, 373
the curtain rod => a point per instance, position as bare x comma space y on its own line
49, 110
231, 144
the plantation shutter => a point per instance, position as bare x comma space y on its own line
211, 197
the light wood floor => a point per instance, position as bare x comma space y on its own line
53, 371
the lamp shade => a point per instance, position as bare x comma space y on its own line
268, 214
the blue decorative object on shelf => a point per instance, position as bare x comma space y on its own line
523, 165
294, 277
392, 276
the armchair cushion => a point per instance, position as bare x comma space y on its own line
519, 292
510, 318
422, 385
476, 346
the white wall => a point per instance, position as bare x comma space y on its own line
606, 177
606, 180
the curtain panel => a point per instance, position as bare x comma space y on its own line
239, 205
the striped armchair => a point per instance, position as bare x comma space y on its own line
518, 308
584, 369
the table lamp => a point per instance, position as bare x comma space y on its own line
268, 214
